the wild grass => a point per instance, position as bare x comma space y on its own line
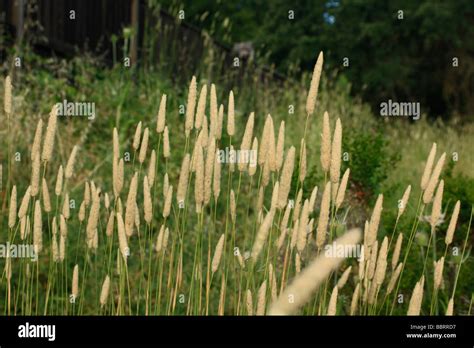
164, 224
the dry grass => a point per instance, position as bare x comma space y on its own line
189, 254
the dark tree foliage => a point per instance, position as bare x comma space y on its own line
403, 56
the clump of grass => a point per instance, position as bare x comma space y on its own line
237, 234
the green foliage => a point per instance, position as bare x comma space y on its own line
370, 160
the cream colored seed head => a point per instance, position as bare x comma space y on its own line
416, 299
218, 254
262, 235
104, 294
220, 122
216, 184
314, 86
168, 200
144, 146
341, 191
261, 302
336, 153
66, 209
183, 180
247, 140
35, 176
147, 203
75, 282
49, 135
396, 251
452, 224
161, 118
130, 207
24, 203
12, 208
428, 166
438, 273
323, 216
166, 143
375, 220
437, 205
7, 100
37, 228
433, 182
110, 224
253, 157
394, 278
191, 105
302, 172
326, 144
280, 146
59, 181
404, 201
36, 147
344, 277
201, 107
70, 163
208, 170
333, 302
310, 278
151, 168
46, 198
285, 179
136, 138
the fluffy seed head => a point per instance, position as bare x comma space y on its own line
36, 147
75, 282
332, 306
314, 86
24, 203
136, 138
438, 273
59, 181
104, 294
188, 123
428, 166
70, 163
285, 179
306, 282
437, 203
403, 202
161, 118
49, 135
168, 200
201, 107
218, 254
46, 198
35, 176
342, 188
326, 144
375, 220
12, 208
144, 146
416, 298
7, 100
396, 251
344, 277
216, 184
166, 143
433, 182
280, 146
323, 216
452, 224
302, 172
183, 179
151, 168
37, 228
130, 207
147, 204
336, 152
